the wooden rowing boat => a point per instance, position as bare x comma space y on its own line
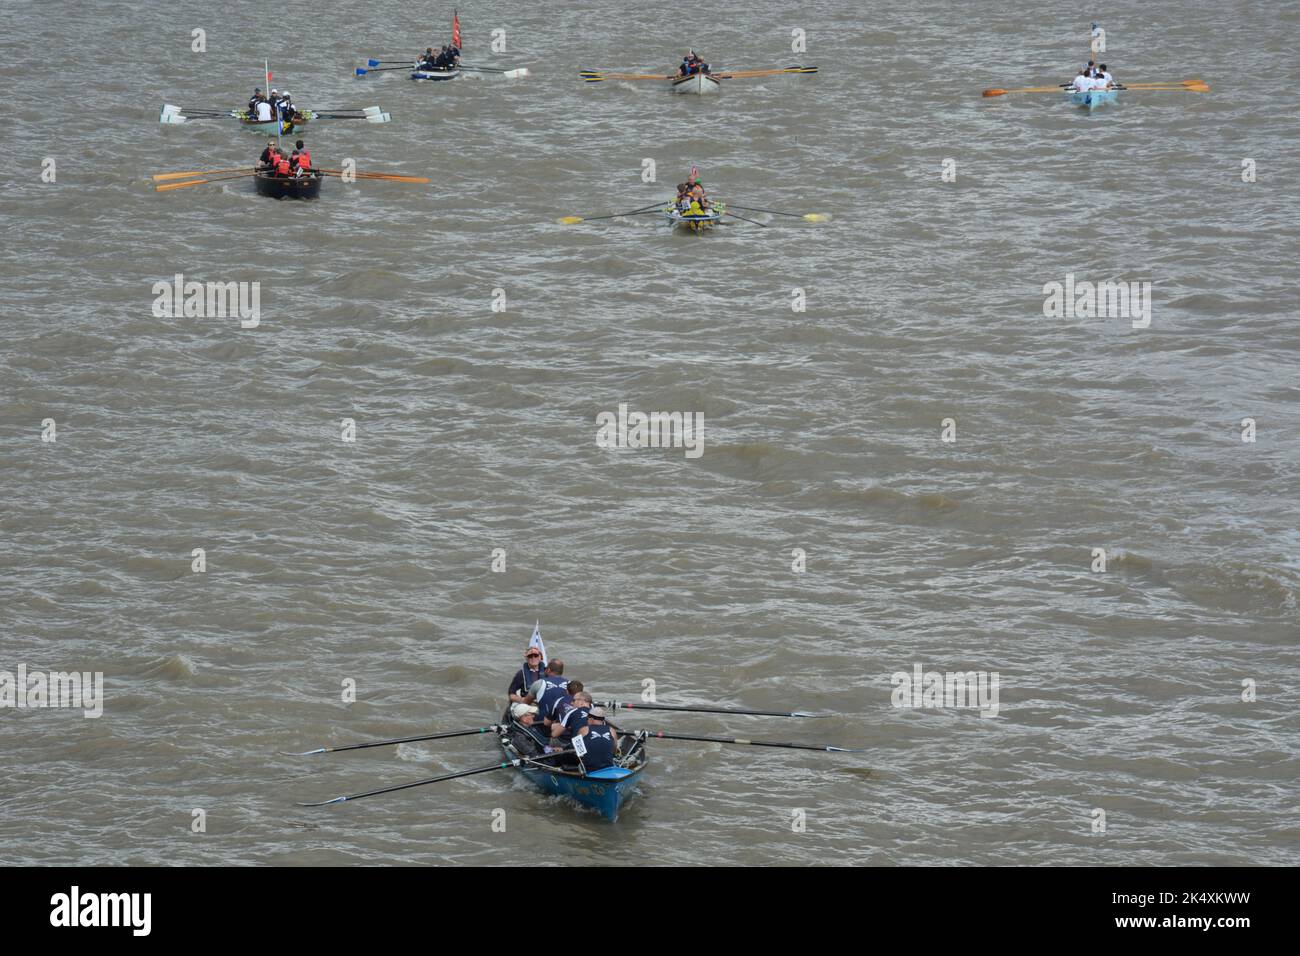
693, 222
699, 83
434, 75
288, 187
1091, 99
604, 791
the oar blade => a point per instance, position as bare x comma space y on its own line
305, 753
372, 62
995, 92
816, 217
361, 71
325, 803
569, 220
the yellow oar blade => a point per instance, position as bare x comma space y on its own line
569, 220
817, 217
163, 177
1027, 89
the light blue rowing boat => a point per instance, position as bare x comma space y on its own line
603, 790
1091, 99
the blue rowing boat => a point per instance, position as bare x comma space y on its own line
604, 791
1091, 99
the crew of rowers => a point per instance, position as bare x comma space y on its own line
445, 59
278, 164
1094, 76
267, 107
691, 199
555, 710
692, 64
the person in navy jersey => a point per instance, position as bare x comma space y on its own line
524, 678
600, 740
551, 694
571, 719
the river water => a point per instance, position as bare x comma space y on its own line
827, 538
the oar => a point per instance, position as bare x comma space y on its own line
727, 212
388, 176
745, 73
754, 743
1027, 89
160, 177
711, 710
446, 776
362, 71
396, 740
200, 182
507, 74
595, 76
809, 216
571, 220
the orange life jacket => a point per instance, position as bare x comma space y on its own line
282, 166
304, 159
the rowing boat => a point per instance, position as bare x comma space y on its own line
699, 83
434, 75
177, 116
1091, 99
693, 222
271, 127
604, 791
288, 187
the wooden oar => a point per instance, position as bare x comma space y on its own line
1026, 89
745, 73
809, 216
572, 220
595, 76
447, 776
161, 177
710, 710
396, 740
389, 176
200, 182
754, 743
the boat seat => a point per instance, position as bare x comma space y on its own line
610, 773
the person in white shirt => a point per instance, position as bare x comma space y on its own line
1104, 78
264, 112
1081, 82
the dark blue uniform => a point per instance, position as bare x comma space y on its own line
600, 747
554, 698
524, 678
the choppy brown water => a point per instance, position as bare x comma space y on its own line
1119, 690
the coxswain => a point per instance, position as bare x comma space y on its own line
269, 155
599, 740
524, 678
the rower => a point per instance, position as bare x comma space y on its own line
572, 720
1104, 77
550, 692
1081, 82
264, 112
524, 678
286, 107
302, 158
252, 100
282, 168
600, 740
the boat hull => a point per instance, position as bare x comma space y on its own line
686, 222
1091, 99
271, 128
292, 187
434, 76
604, 791
697, 83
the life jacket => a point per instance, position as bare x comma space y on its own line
282, 166
304, 159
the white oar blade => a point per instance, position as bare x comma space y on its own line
371, 109
305, 753
515, 74
378, 118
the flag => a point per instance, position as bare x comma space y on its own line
455, 30
536, 641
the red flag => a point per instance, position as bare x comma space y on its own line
455, 30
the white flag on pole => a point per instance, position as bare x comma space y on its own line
536, 641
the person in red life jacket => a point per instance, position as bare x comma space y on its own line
301, 159
282, 167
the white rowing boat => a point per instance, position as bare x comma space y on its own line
698, 83
693, 222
